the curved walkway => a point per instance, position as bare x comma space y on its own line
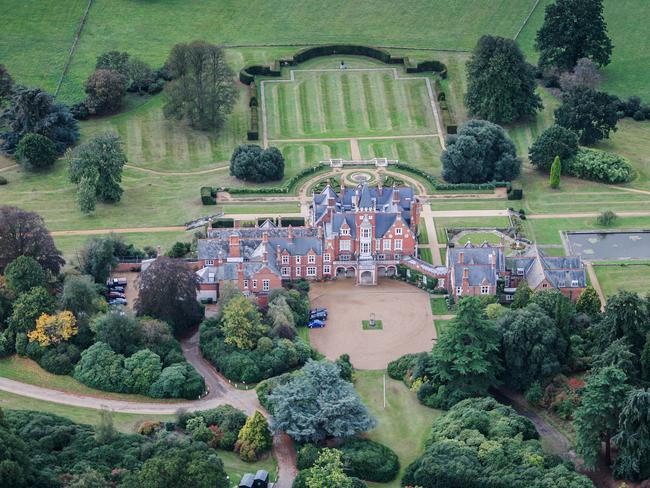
221, 392
174, 173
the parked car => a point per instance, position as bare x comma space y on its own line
116, 281
117, 288
318, 313
116, 294
117, 301
316, 324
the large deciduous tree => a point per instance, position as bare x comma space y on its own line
29, 307
53, 329
592, 115
318, 404
501, 85
97, 258
120, 330
33, 111
114, 60
96, 167
80, 296
554, 141
241, 323
202, 90
35, 152
626, 315
249, 162
633, 437
465, 359
573, 29
596, 419
104, 91
168, 292
532, 347
23, 233
23, 274
480, 152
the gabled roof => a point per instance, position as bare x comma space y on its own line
560, 272
476, 260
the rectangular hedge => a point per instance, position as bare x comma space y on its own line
291, 183
208, 195
223, 223
292, 221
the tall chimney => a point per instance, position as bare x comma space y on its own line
319, 231
278, 254
233, 242
395, 195
465, 279
290, 232
461, 257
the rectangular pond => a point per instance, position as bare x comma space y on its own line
609, 246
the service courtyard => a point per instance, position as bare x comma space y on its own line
404, 310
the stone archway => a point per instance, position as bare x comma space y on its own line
381, 271
391, 271
366, 278
350, 272
340, 272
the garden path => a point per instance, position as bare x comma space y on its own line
430, 225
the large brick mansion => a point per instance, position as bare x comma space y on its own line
364, 233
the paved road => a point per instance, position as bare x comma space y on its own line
221, 392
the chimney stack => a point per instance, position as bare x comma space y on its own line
278, 254
465, 280
265, 237
319, 232
461, 257
395, 195
290, 232
233, 243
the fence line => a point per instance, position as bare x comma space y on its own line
530, 14
68, 61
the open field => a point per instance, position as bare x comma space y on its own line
627, 22
421, 152
403, 425
624, 277
442, 223
328, 102
149, 30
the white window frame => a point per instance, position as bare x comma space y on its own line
365, 233
485, 290
344, 257
266, 285
245, 283
311, 259
311, 270
386, 245
345, 245
327, 257
398, 244
286, 271
345, 232
298, 271
285, 259
381, 256
254, 284
297, 259
509, 298
398, 231
209, 262
575, 283
327, 269
459, 290
365, 247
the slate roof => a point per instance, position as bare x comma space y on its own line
561, 272
257, 232
298, 246
246, 481
367, 197
477, 260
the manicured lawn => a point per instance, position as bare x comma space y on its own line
27, 371
269, 209
69, 245
423, 237
547, 231
301, 155
443, 223
366, 325
439, 306
423, 153
347, 103
624, 277
525, 133
152, 141
403, 425
425, 255
236, 468
441, 325
480, 238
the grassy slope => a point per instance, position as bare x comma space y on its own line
627, 22
404, 423
547, 231
615, 278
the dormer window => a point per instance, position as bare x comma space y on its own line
398, 231
285, 259
574, 283
345, 232
520, 271
311, 259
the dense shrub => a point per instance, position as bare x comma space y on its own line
600, 166
208, 195
105, 89
265, 388
226, 418
180, 380
3, 180
60, 359
370, 460
399, 368
251, 366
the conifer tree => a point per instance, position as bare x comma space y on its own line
254, 437
556, 170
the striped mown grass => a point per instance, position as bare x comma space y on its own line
421, 152
348, 103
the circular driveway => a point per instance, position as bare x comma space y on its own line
404, 310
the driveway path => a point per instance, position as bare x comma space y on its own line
431, 234
220, 392
596, 284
